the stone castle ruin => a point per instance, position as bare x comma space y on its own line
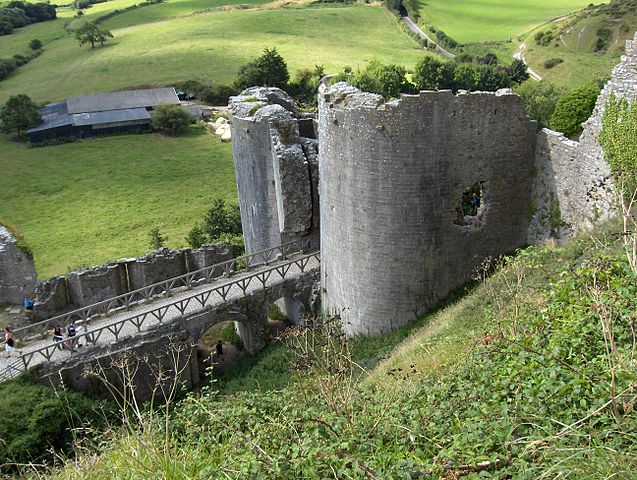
393, 177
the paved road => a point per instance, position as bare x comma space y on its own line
122, 324
416, 29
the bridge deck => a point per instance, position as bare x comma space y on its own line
109, 330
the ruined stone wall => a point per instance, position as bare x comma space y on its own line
275, 168
87, 287
392, 178
576, 173
17, 270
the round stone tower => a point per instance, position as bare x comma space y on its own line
398, 232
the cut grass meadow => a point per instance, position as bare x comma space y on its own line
212, 46
484, 20
89, 202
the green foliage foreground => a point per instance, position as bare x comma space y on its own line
530, 376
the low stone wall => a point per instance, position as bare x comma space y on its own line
17, 270
91, 286
156, 267
51, 298
87, 287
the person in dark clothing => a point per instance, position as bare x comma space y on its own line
71, 331
475, 204
57, 334
219, 348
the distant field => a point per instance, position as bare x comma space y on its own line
211, 45
89, 202
574, 44
483, 20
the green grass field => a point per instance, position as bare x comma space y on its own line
574, 44
211, 45
483, 20
93, 201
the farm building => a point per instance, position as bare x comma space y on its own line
101, 113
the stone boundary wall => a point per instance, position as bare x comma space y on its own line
82, 288
575, 174
17, 270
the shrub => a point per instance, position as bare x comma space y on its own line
574, 108
268, 70
20, 60
387, 80
155, 238
36, 419
171, 119
619, 126
544, 37
540, 99
7, 66
551, 62
35, 44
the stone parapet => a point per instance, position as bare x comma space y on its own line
17, 270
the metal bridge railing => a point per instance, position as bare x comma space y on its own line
168, 287
168, 311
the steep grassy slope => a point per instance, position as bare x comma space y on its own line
575, 42
530, 375
93, 201
484, 20
211, 45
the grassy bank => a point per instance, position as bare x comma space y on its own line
529, 375
89, 202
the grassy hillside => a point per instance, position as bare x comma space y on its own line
93, 201
484, 20
575, 42
530, 375
150, 49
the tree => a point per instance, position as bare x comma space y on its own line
540, 99
35, 44
428, 73
155, 238
492, 78
268, 70
19, 114
387, 80
90, 32
573, 109
222, 219
518, 71
171, 119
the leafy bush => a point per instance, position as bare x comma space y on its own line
35, 44
35, 419
544, 37
155, 238
18, 14
573, 109
268, 70
551, 62
221, 224
171, 119
387, 80
604, 36
7, 66
619, 131
540, 99
207, 93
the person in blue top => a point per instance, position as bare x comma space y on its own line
475, 204
28, 303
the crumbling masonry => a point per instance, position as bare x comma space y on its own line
392, 178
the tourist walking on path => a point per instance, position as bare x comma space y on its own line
9, 341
